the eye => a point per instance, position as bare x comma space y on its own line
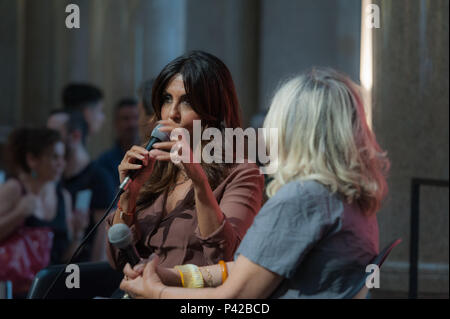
167, 98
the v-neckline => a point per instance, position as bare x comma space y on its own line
182, 201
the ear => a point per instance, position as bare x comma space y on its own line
31, 160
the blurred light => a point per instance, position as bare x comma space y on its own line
366, 61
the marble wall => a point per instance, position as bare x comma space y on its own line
410, 118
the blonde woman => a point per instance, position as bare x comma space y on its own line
318, 231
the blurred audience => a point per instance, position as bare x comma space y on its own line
89, 184
88, 100
126, 118
33, 196
145, 109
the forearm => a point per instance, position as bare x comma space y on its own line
10, 222
126, 204
191, 293
209, 214
212, 275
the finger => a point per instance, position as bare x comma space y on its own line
164, 145
139, 268
131, 273
155, 153
166, 129
125, 285
133, 154
151, 268
139, 149
130, 166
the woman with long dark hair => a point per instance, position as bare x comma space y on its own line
188, 212
318, 231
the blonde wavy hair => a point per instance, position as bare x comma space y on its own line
323, 135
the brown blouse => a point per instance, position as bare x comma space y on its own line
176, 239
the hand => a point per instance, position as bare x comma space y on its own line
148, 285
169, 276
129, 163
179, 151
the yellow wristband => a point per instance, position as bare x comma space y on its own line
191, 277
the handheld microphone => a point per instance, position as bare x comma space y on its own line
120, 236
156, 137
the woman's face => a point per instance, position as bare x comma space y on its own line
95, 117
50, 165
176, 105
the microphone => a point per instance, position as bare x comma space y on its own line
156, 136
120, 236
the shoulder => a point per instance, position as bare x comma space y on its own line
244, 175
11, 189
299, 191
303, 200
245, 169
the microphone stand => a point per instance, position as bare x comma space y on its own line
85, 239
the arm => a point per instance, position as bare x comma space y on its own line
14, 208
246, 280
240, 203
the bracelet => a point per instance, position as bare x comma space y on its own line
191, 277
223, 266
209, 280
122, 212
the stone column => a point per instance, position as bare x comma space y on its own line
410, 118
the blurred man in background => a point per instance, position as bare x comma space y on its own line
90, 185
145, 109
88, 100
126, 121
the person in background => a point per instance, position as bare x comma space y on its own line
188, 213
145, 109
126, 117
57, 120
33, 196
88, 100
318, 231
86, 181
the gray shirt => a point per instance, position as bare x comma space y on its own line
311, 237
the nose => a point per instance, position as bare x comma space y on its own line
174, 113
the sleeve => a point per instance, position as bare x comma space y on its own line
241, 201
286, 229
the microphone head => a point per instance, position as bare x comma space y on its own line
162, 136
120, 236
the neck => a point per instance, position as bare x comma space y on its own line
33, 185
78, 160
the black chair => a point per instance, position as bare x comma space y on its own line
96, 280
361, 291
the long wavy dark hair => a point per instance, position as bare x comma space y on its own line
212, 95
